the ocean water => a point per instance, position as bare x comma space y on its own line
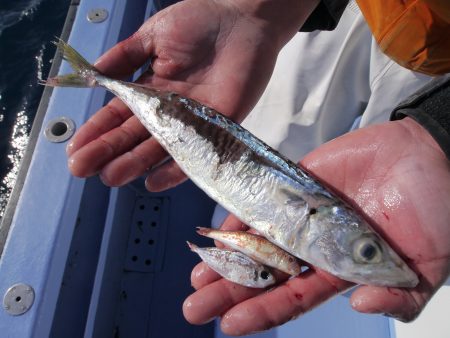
27, 28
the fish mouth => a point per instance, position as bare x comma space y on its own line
401, 274
409, 280
393, 276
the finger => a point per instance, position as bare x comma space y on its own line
214, 299
203, 275
282, 304
393, 302
232, 223
133, 163
107, 118
164, 177
92, 157
127, 56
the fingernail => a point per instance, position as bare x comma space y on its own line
70, 161
355, 303
69, 148
98, 61
225, 323
153, 185
393, 316
199, 272
187, 304
117, 180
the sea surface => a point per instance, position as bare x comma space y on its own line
27, 28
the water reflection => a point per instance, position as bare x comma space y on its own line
18, 143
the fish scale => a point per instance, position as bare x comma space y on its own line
254, 182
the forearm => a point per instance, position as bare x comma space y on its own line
281, 19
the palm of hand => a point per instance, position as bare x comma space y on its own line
401, 180
197, 54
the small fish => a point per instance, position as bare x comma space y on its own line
254, 182
235, 266
256, 247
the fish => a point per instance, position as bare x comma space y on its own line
235, 266
256, 247
281, 201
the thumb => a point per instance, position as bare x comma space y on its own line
127, 56
401, 304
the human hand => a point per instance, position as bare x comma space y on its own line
400, 178
220, 53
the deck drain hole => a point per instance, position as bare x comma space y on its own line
134, 258
151, 242
148, 262
59, 129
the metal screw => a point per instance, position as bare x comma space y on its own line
97, 15
18, 299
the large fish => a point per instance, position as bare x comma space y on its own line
254, 182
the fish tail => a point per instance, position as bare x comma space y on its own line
84, 75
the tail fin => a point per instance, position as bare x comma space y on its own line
84, 75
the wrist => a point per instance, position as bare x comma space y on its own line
430, 108
281, 18
420, 133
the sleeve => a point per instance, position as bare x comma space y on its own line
326, 16
430, 107
415, 34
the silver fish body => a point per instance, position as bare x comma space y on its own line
256, 247
257, 184
235, 266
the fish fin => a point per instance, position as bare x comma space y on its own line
193, 247
69, 80
77, 62
291, 197
84, 75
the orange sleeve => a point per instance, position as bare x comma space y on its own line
414, 33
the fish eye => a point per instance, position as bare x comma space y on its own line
367, 250
264, 275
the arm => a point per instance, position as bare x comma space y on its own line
398, 175
424, 24
219, 53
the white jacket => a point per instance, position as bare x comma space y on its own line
326, 83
